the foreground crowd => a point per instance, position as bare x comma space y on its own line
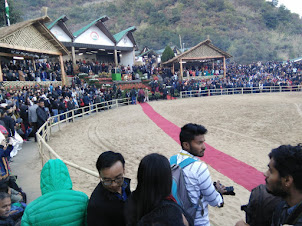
167, 193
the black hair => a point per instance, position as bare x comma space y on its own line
154, 182
163, 216
288, 162
4, 187
189, 131
108, 159
4, 195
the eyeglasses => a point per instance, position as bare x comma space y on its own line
108, 182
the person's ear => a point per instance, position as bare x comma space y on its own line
186, 145
288, 181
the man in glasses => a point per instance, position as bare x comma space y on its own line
106, 204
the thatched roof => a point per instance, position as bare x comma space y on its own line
12, 37
203, 50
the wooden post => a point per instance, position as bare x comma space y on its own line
73, 57
213, 67
1, 74
181, 70
224, 68
34, 64
173, 68
115, 58
63, 75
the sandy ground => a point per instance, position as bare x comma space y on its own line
246, 127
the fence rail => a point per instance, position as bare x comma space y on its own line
45, 131
239, 90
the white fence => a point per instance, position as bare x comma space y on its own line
239, 90
45, 131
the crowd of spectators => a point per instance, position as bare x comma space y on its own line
237, 75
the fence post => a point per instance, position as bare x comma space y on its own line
241, 90
116, 102
107, 105
180, 94
270, 89
72, 113
209, 92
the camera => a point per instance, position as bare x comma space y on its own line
229, 190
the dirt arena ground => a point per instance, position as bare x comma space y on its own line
246, 127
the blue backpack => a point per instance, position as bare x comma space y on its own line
179, 190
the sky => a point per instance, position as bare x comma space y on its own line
294, 6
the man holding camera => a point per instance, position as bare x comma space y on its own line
197, 176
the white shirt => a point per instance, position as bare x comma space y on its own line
199, 183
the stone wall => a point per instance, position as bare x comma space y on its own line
20, 84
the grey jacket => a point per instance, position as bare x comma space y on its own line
32, 113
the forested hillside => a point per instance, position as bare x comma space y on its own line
250, 30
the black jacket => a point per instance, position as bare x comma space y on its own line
42, 116
9, 125
105, 208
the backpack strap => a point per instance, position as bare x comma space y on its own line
186, 162
173, 160
183, 164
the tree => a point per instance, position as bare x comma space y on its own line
14, 15
167, 54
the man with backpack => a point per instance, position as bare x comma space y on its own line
284, 179
197, 180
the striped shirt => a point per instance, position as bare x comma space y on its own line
199, 183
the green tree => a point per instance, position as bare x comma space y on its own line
167, 54
14, 14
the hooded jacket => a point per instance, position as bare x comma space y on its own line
59, 204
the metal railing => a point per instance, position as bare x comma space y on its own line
45, 131
239, 90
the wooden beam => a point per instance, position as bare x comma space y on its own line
1, 74
12, 55
22, 48
63, 74
173, 69
202, 58
34, 64
224, 68
181, 70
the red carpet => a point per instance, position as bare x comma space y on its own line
241, 173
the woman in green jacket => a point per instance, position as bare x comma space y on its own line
59, 204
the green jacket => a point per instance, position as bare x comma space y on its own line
59, 204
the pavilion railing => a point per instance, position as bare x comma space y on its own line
239, 90
44, 133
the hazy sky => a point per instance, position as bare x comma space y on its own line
294, 6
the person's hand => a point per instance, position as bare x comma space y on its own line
3, 142
12, 212
241, 223
11, 141
220, 188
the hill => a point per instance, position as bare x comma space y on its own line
248, 30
